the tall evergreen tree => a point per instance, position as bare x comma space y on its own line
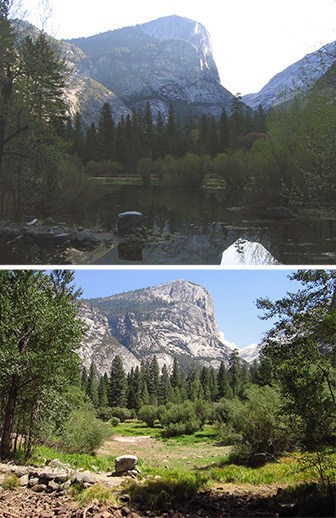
117, 384
234, 370
165, 393
103, 387
134, 389
224, 389
153, 380
92, 385
106, 134
224, 131
159, 137
91, 148
148, 131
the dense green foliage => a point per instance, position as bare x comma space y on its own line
39, 335
301, 351
36, 168
287, 155
83, 433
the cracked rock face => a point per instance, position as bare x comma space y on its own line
175, 319
166, 60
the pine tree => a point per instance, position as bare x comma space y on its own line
134, 389
78, 137
45, 70
213, 384
117, 384
106, 134
91, 148
236, 119
172, 139
92, 385
84, 380
205, 382
175, 378
224, 131
165, 392
234, 371
159, 148
153, 380
224, 389
148, 131
103, 387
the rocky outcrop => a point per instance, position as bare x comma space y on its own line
295, 79
175, 319
165, 61
99, 345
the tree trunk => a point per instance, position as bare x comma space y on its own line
8, 425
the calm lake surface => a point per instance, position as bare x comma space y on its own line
197, 226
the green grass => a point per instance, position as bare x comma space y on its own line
10, 482
168, 488
75, 460
134, 428
95, 494
207, 435
268, 474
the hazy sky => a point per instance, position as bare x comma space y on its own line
234, 292
252, 39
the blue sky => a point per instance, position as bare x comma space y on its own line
252, 40
234, 292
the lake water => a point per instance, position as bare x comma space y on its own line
197, 226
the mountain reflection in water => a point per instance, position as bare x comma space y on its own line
248, 253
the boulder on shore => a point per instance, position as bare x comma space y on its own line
125, 464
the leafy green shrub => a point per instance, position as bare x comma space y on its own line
148, 414
104, 413
103, 168
114, 421
83, 433
259, 423
122, 413
180, 419
188, 171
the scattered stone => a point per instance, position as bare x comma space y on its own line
125, 498
53, 486
33, 481
85, 477
39, 488
24, 480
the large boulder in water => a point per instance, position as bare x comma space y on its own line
129, 221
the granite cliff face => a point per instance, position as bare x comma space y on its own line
163, 61
297, 78
175, 319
